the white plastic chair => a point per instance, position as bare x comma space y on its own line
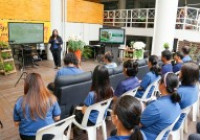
164, 131
57, 129
101, 107
131, 92
155, 85
178, 134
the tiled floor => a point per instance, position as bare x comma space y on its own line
9, 94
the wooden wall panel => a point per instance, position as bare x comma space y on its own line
98, 1
84, 12
35, 10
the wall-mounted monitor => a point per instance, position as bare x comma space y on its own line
25, 33
112, 36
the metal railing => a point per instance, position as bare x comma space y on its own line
187, 18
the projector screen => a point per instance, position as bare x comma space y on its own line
26, 33
112, 36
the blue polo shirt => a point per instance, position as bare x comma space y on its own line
177, 67
90, 100
187, 58
189, 95
29, 127
124, 137
126, 85
111, 65
167, 68
68, 71
149, 78
158, 115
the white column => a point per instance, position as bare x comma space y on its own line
164, 25
122, 4
56, 20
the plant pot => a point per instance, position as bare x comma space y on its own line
77, 53
138, 54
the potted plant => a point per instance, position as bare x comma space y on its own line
138, 50
87, 53
1, 67
8, 67
3, 45
76, 45
166, 46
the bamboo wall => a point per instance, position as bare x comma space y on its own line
31, 10
84, 12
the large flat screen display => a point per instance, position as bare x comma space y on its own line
112, 36
26, 33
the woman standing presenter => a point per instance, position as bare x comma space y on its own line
56, 42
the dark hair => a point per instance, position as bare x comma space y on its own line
186, 50
108, 56
52, 35
189, 74
70, 58
179, 54
153, 59
167, 54
101, 83
171, 83
128, 109
132, 68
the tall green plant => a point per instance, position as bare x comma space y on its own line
87, 52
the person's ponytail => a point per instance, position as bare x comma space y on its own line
153, 59
156, 69
137, 134
175, 98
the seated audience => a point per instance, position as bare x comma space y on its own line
150, 77
188, 89
36, 108
178, 56
71, 68
126, 118
108, 60
186, 52
130, 71
162, 112
100, 90
166, 59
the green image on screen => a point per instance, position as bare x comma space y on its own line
25, 33
112, 36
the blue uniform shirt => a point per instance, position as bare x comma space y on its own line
29, 127
126, 85
187, 58
177, 67
68, 71
189, 95
124, 137
167, 68
149, 78
158, 115
111, 65
90, 100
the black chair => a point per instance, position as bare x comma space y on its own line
142, 68
71, 91
117, 77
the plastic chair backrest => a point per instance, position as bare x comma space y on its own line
57, 129
167, 129
100, 107
155, 85
131, 92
